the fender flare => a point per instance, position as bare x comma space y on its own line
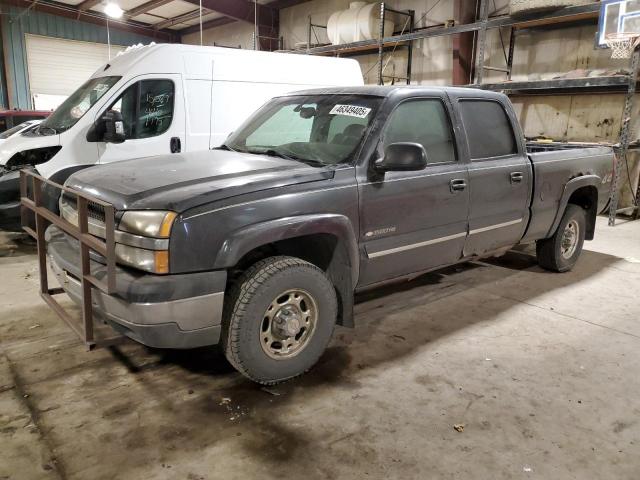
242, 241
570, 187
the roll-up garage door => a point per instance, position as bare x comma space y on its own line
57, 67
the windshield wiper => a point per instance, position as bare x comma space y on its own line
271, 152
44, 127
224, 146
276, 153
308, 161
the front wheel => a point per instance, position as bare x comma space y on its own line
278, 319
560, 252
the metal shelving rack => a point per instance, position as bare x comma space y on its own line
626, 84
611, 84
378, 46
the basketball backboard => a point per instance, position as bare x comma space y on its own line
618, 17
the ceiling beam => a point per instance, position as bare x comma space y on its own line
280, 4
241, 10
96, 18
145, 7
179, 19
88, 5
216, 22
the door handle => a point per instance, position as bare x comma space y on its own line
457, 185
175, 145
516, 177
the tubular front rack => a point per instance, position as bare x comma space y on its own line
36, 217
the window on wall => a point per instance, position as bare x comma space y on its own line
489, 130
426, 122
146, 108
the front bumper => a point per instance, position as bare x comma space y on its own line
163, 311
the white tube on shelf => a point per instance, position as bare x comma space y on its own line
361, 21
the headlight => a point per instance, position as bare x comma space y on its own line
148, 223
153, 261
145, 223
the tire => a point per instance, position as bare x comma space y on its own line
280, 302
557, 256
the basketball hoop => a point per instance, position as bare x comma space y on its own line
622, 45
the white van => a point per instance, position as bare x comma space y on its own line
158, 99
18, 129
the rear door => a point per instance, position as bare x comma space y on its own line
414, 221
499, 175
152, 108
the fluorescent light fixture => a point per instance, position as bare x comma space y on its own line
113, 10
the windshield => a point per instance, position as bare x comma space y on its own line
74, 107
7, 133
316, 129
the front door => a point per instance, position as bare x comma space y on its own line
414, 221
499, 176
153, 116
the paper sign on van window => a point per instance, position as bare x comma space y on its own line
350, 111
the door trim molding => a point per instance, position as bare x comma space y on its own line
493, 227
433, 241
411, 246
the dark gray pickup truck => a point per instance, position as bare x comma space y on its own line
260, 244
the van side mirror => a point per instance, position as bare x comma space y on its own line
402, 157
113, 127
108, 128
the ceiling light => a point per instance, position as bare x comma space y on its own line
113, 10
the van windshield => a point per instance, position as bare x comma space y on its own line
315, 129
74, 107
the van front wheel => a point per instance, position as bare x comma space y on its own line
278, 319
560, 252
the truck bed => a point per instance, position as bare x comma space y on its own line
556, 164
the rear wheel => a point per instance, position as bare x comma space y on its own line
560, 252
278, 319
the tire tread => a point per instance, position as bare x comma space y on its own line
547, 249
240, 295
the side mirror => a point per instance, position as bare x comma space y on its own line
402, 157
113, 127
108, 128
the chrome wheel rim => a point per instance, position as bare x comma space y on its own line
288, 324
569, 241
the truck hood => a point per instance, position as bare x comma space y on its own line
181, 181
20, 143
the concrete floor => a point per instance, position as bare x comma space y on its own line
540, 368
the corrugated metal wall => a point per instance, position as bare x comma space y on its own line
15, 88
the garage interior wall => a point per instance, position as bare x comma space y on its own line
14, 28
540, 54
57, 67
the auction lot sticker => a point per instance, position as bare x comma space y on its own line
350, 111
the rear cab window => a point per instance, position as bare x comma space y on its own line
488, 128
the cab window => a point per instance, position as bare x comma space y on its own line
423, 121
488, 128
146, 108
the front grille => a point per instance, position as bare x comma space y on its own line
94, 210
